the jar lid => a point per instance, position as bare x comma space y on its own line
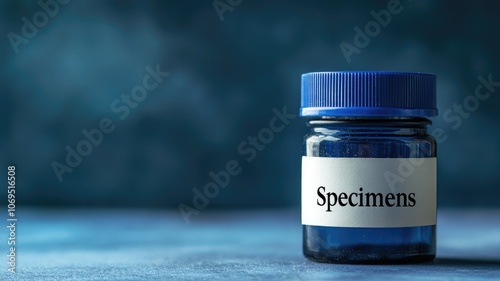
368, 94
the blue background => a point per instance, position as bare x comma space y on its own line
225, 79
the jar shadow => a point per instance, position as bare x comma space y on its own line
468, 263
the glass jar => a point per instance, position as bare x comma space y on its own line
369, 167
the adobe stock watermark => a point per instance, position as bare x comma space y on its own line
363, 37
30, 28
407, 166
12, 223
249, 149
223, 6
454, 116
122, 108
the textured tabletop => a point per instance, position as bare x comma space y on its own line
158, 245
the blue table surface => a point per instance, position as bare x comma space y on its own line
242, 245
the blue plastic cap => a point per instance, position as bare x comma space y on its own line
368, 94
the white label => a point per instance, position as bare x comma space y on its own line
368, 192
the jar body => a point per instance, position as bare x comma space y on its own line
369, 138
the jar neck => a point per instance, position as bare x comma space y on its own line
380, 126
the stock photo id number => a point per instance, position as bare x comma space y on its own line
369, 167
